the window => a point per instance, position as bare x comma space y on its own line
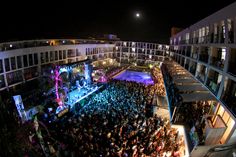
25, 60
64, 54
60, 55
14, 77
133, 44
124, 44
78, 53
133, 49
30, 73
51, 56
1, 67
13, 63
223, 30
2, 81
42, 57
223, 53
56, 55
7, 64
30, 59
46, 56
35, 59
19, 62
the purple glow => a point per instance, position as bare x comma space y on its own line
102, 79
140, 77
56, 76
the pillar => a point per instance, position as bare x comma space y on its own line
88, 73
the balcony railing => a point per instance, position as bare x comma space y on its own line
192, 70
212, 85
47, 42
200, 77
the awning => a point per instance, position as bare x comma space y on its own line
191, 88
182, 77
185, 81
179, 73
199, 96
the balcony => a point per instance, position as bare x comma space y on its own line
213, 81
194, 55
222, 38
195, 40
212, 85
211, 38
216, 38
231, 37
228, 96
203, 57
188, 53
186, 66
232, 62
217, 62
193, 70
2, 81
14, 77
232, 69
201, 77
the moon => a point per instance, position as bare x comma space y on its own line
137, 15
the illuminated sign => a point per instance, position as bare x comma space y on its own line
20, 107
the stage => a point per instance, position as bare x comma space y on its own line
78, 94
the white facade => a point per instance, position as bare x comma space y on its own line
22, 64
130, 52
207, 50
23, 61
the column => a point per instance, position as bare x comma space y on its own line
234, 28
88, 73
5, 76
226, 32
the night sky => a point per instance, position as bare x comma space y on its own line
83, 19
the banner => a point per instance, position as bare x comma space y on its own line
20, 107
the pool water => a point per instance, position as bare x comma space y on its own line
135, 76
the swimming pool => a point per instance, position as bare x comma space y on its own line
140, 77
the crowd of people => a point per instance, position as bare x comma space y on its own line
159, 88
115, 122
118, 121
10, 122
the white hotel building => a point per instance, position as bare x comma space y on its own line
206, 51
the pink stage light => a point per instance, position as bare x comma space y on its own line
57, 79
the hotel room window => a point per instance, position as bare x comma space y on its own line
7, 64
35, 59
13, 63
19, 61
25, 60
1, 66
